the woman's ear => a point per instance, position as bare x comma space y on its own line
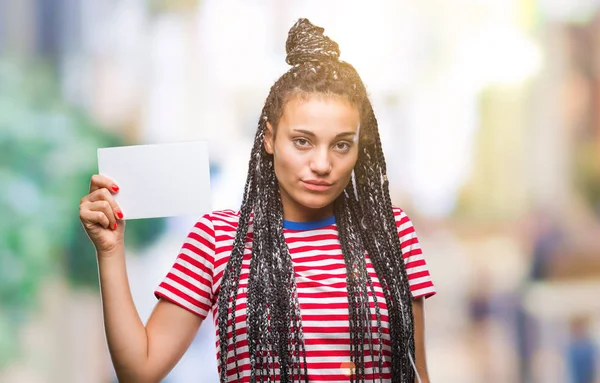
269, 144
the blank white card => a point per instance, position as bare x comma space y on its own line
164, 180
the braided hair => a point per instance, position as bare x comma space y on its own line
365, 222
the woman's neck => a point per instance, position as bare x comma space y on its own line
299, 213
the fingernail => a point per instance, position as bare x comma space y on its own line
115, 188
115, 226
119, 214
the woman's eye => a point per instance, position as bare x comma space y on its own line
342, 146
301, 142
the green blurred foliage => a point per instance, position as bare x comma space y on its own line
587, 172
47, 156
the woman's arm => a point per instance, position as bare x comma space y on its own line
141, 353
419, 319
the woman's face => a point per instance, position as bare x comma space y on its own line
315, 148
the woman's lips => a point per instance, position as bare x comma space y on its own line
317, 185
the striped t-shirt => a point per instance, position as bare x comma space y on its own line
193, 283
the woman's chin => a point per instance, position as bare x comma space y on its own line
316, 202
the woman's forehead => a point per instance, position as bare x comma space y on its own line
321, 110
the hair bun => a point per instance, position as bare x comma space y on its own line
306, 42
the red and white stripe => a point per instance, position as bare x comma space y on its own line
193, 283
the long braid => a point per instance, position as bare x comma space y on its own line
395, 243
350, 193
370, 176
386, 269
259, 320
407, 314
230, 280
295, 337
354, 305
365, 222
358, 290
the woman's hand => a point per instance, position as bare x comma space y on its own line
101, 216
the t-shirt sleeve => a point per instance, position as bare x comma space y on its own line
189, 282
419, 278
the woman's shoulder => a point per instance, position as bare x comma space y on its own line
221, 220
223, 214
219, 216
401, 216
398, 211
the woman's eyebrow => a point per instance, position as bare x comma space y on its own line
343, 134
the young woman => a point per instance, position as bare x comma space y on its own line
317, 278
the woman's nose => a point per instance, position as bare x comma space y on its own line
320, 162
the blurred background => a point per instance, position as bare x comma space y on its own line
489, 112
